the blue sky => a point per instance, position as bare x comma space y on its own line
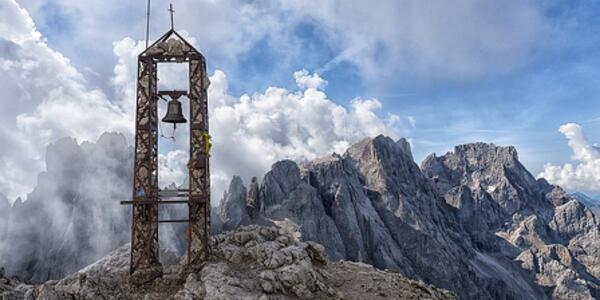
509, 72
524, 106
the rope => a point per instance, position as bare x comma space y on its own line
160, 128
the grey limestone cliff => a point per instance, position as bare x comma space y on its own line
512, 216
373, 204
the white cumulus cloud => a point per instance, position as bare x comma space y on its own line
251, 132
172, 167
583, 173
43, 98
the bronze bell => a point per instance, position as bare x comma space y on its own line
174, 113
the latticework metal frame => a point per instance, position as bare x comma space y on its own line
170, 48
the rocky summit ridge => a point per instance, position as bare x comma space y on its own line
249, 263
473, 221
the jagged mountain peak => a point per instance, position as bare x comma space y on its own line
483, 166
112, 138
170, 187
233, 212
387, 166
476, 157
236, 183
284, 169
479, 149
283, 177
379, 147
58, 152
18, 202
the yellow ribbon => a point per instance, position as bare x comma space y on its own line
207, 143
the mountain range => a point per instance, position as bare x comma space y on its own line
473, 221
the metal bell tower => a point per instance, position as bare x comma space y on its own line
147, 197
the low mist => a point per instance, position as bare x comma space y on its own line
73, 216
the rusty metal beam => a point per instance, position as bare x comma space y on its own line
174, 221
170, 48
150, 202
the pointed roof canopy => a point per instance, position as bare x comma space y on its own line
171, 47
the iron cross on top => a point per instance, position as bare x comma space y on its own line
171, 11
